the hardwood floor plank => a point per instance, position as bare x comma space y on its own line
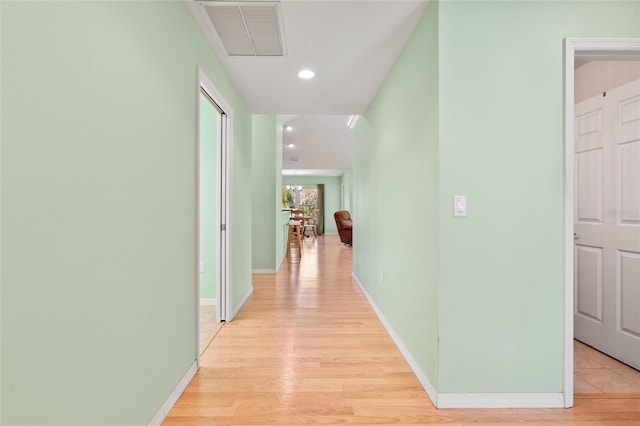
307, 349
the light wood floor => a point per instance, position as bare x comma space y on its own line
308, 349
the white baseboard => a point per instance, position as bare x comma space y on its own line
464, 400
279, 264
263, 271
240, 304
413, 364
500, 400
208, 302
173, 397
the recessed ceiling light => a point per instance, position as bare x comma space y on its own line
288, 128
290, 145
306, 74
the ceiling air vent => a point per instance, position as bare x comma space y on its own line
247, 28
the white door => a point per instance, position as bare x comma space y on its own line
209, 217
607, 223
214, 130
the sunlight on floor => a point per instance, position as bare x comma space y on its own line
596, 372
208, 325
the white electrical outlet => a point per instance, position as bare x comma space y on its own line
202, 267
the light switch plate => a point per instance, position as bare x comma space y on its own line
459, 205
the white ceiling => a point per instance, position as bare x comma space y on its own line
349, 44
322, 143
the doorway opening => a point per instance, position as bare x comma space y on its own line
589, 263
307, 198
213, 141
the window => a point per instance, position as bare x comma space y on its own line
299, 197
309, 202
288, 198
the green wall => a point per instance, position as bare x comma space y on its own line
331, 196
265, 154
241, 212
502, 267
281, 230
98, 198
263, 169
395, 195
474, 106
346, 180
209, 194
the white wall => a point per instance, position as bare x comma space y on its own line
595, 77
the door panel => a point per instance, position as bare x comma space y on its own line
629, 265
629, 175
607, 223
629, 111
589, 298
589, 213
589, 168
589, 125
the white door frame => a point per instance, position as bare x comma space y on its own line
596, 49
224, 163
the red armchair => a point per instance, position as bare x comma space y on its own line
345, 225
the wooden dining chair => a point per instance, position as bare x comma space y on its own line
309, 223
298, 216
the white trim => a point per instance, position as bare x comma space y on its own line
224, 284
263, 271
279, 264
208, 302
463, 400
229, 206
604, 48
197, 219
500, 400
235, 3
330, 233
225, 170
173, 397
593, 48
241, 303
569, 61
413, 364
